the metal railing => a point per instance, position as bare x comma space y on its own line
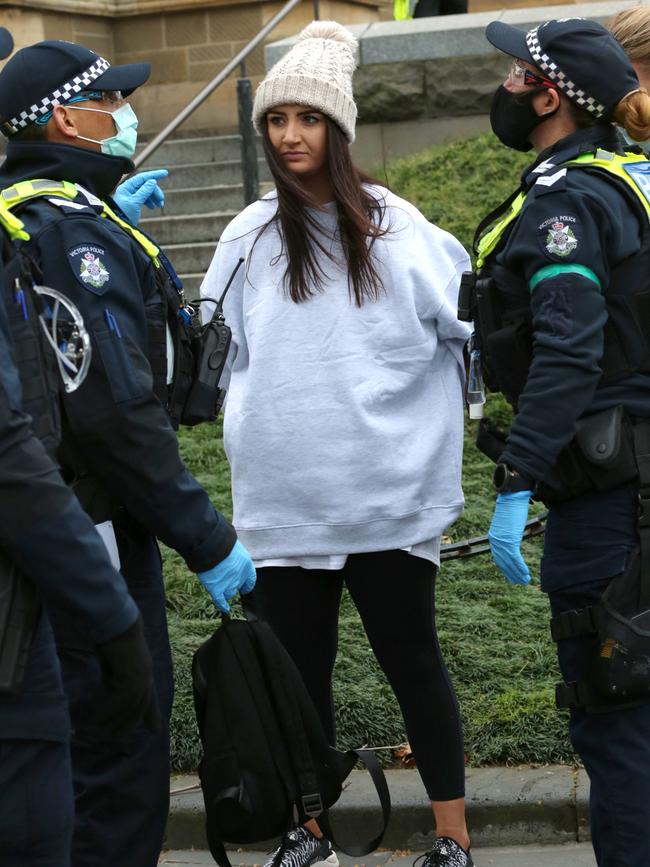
244, 105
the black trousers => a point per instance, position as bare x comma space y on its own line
36, 799
586, 543
122, 785
394, 595
36, 805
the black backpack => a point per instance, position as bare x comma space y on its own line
266, 763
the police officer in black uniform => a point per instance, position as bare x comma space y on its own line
561, 317
50, 554
71, 135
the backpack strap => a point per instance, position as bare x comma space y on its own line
370, 763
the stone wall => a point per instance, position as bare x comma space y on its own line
187, 42
429, 80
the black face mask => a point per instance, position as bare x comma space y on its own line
513, 118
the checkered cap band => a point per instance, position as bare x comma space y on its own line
58, 97
564, 83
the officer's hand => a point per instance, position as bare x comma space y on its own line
233, 575
141, 189
128, 683
505, 535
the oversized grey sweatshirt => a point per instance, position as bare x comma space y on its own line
343, 425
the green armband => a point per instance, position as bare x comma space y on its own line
553, 270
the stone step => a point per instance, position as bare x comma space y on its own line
187, 230
192, 175
191, 258
220, 197
505, 806
210, 149
201, 200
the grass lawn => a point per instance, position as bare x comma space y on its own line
494, 636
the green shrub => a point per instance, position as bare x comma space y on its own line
494, 636
457, 184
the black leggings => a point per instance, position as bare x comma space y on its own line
394, 595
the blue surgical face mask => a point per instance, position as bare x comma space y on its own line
123, 143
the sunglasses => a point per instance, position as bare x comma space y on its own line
522, 77
114, 97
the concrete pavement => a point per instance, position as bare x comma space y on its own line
566, 855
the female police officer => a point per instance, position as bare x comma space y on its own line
559, 316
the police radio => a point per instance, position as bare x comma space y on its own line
206, 398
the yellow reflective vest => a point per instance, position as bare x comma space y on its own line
618, 165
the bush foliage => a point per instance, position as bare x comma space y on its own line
495, 637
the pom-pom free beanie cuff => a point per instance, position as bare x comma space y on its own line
316, 72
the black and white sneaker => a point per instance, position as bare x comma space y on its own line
304, 849
446, 852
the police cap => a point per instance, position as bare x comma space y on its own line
41, 76
6, 43
583, 59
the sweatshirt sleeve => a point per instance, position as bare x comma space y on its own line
437, 262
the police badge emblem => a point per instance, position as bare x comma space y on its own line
560, 240
92, 271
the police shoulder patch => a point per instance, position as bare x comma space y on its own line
640, 174
88, 263
559, 236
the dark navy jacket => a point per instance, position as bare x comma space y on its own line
114, 424
581, 219
47, 535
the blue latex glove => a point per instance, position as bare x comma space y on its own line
505, 535
235, 574
141, 189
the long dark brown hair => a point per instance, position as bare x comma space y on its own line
360, 217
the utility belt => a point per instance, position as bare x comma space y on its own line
609, 450
618, 673
600, 457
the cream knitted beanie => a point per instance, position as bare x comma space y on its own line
316, 72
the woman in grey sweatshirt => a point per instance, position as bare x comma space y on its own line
344, 419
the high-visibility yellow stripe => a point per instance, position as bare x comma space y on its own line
490, 240
14, 227
148, 246
25, 190
610, 162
